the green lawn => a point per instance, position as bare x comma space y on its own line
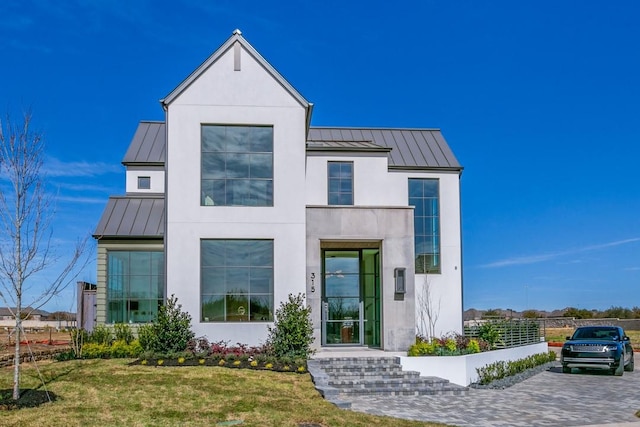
108, 392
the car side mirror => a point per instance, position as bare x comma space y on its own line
626, 338
568, 338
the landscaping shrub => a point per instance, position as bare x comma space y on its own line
145, 336
292, 332
96, 351
123, 332
171, 331
101, 334
452, 344
498, 370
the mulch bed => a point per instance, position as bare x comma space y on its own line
29, 398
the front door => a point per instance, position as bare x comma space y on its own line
351, 297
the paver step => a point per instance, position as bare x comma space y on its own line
338, 378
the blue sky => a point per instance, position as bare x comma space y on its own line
539, 100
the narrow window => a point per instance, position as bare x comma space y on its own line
144, 183
424, 196
340, 183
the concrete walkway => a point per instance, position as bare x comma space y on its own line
550, 398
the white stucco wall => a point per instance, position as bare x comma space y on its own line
374, 185
250, 97
156, 175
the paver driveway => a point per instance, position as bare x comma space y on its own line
550, 398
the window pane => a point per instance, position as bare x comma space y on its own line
261, 281
213, 308
213, 281
262, 139
261, 166
212, 253
238, 139
213, 165
140, 287
237, 280
262, 253
261, 309
140, 263
213, 138
237, 308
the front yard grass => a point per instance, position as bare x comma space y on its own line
109, 392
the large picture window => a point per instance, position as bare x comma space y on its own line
237, 166
135, 285
236, 280
340, 183
424, 196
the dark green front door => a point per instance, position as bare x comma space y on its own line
351, 297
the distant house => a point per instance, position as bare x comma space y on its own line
234, 201
6, 313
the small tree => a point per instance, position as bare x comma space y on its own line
25, 234
292, 332
171, 331
428, 311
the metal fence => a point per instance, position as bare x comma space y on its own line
511, 332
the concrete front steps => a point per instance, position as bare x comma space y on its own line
341, 377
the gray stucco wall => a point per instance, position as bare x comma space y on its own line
391, 229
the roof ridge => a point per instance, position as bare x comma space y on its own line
373, 128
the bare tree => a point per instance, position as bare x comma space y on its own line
25, 226
428, 310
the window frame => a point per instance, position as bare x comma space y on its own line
236, 165
232, 272
429, 234
140, 181
127, 298
338, 195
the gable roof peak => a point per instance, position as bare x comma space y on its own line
237, 32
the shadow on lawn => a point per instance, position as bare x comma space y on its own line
29, 398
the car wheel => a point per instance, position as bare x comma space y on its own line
620, 369
629, 367
566, 370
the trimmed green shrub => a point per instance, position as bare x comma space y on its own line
101, 334
145, 336
498, 370
292, 332
171, 331
96, 351
123, 332
473, 346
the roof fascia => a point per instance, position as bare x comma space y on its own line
425, 169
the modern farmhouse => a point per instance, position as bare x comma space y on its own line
234, 201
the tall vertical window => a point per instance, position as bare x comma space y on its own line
135, 286
424, 196
237, 166
340, 183
236, 280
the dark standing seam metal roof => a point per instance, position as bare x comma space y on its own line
149, 144
410, 148
132, 217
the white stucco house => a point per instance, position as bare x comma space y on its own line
235, 201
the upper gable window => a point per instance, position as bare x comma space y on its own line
340, 183
144, 183
237, 166
424, 196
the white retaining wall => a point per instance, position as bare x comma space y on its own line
461, 370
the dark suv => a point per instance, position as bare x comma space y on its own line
598, 347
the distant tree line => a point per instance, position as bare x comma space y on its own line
612, 312
578, 313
